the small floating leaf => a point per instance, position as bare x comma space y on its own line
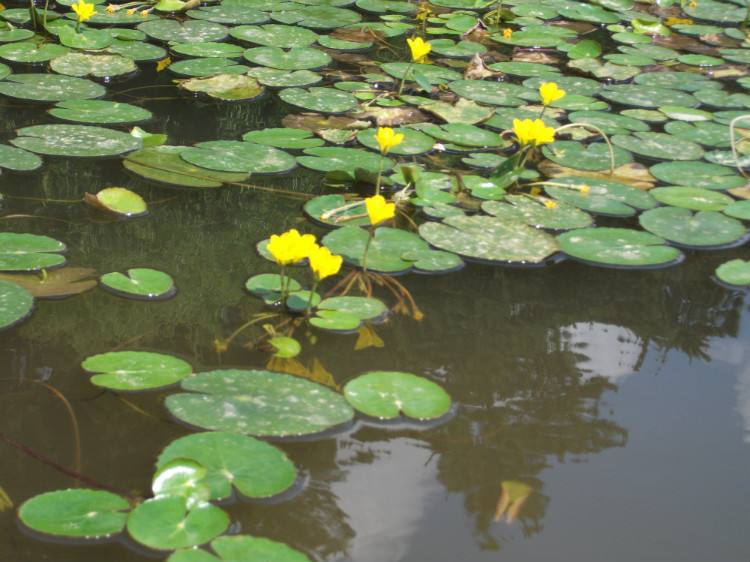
16, 304
118, 200
734, 272
140, 283
135, 370
618, 247
29, 252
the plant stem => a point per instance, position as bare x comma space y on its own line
406, 75
312, 294
380, 174
371, 235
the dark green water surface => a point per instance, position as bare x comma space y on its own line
622, 398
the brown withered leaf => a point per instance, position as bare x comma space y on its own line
476, 69
360, 35
368, 337
393, 116
542, 57
58, 283
317, 122
741, 192
316, 372
351, 58
337, 136
632, 174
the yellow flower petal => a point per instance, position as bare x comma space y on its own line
550, 92
378, 210
533, 132
387, 138
323, 263
419, 49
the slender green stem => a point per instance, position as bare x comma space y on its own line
46, 5
284, 284
406, 75
371, 235
309, 300
380, 174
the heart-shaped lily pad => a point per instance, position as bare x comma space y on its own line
225, 87
345, 160
693, 198
75, 513
734, 272
189, 31
50, 87
140, 284
298, 58
29, 252
283, 138
16, 304
385, 394
135, 370
78, 141
275, 35
18, 160
618, 247
255, 468
535, 213
241, 547
99, 111
591, 157
239, 156
659, 146
697, 174
414, 143
166, 523
118, 200
97, 66
324, 100
260, 403
600, 196
704, 229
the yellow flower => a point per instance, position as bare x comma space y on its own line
83, 10
533, 132
507, 33
111, 8
144, 13
323, 263
585, 188
291, 246
549, 92
131, 11
387, 138
550, 204
419, 49
378, 210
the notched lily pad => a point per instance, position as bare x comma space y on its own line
140, 284
135, 370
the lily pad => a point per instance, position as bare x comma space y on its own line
268, 286
659, 146
75, 513
239, 156
140, 283
275, 35
489, 239
78, 141
704, 229
225, 87
349, 215
18, 160
118, 200
385, 394
166, 523
29, 252
283, 138
345, 160
241, 547
275, 78
697, 174
493, 93
260, 403
31, 52
618, 247
324, 100
693, 198
135, 370
535, 213
252, 467
16, 304
414, 143
189, 31
99, 111
49, 87
646, 96
739, 210
591, 157
298, 58
210, 66
734, 272
603, 197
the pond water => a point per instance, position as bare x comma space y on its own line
598, 414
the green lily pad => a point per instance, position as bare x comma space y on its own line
364, 308
120, 201
189, 31
85, 39
492, 93
29, 252
16, 304
166, 523
659, 146
259, 403
79, 141
275, 78
414, 143
183, 478
704, 229
573, 85
734, 272
324, 100
336, 321
239, 156
135, 370
432, 73
634, 95
385, 252
697, 174
49, 87
254, 468
694, 198
703, 132
618, 247
603, 197
268, 286
579, 156
562, 216
202, 67
99, 112
385, 394
241, 547
75, 513
18, 160
610, 123
275, 35
317, 208
31, 52
163, 164
489, 239
209, 49
463, 134
229, 14
225, 87
346, 160
318, 17
139, 51
720, 12
298, 58
140, 283
739, 210
283, 138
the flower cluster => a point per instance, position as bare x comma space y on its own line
292, 247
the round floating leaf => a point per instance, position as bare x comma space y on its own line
734, 272
189, 31
140, 283
135, 370
31, 52
184, 478
703, 132
226, 87
16, 304
268, 286
244, 548
78, 141
75, 513
298, 302
318, 17
99, 111
164, 165
207, 67
610, 123
18, 160
618, 247
229, 14
693, 198
255, 468
166, 523
49, 87
493, 93
385, 394
299, 58
489, 239
208, 49
579, 156
432, 73
646, 96
283, 138
333, 159
697, 174
659, 146
119, 200
414, 143
335, 321
324, 100
258, 403
603, 197
274, 35
275, 78
239, 156
139, 51
534, 213
285, 347
364, 308
29, 252
464, 135
703, 229
318, 207
739, 210
385, 252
